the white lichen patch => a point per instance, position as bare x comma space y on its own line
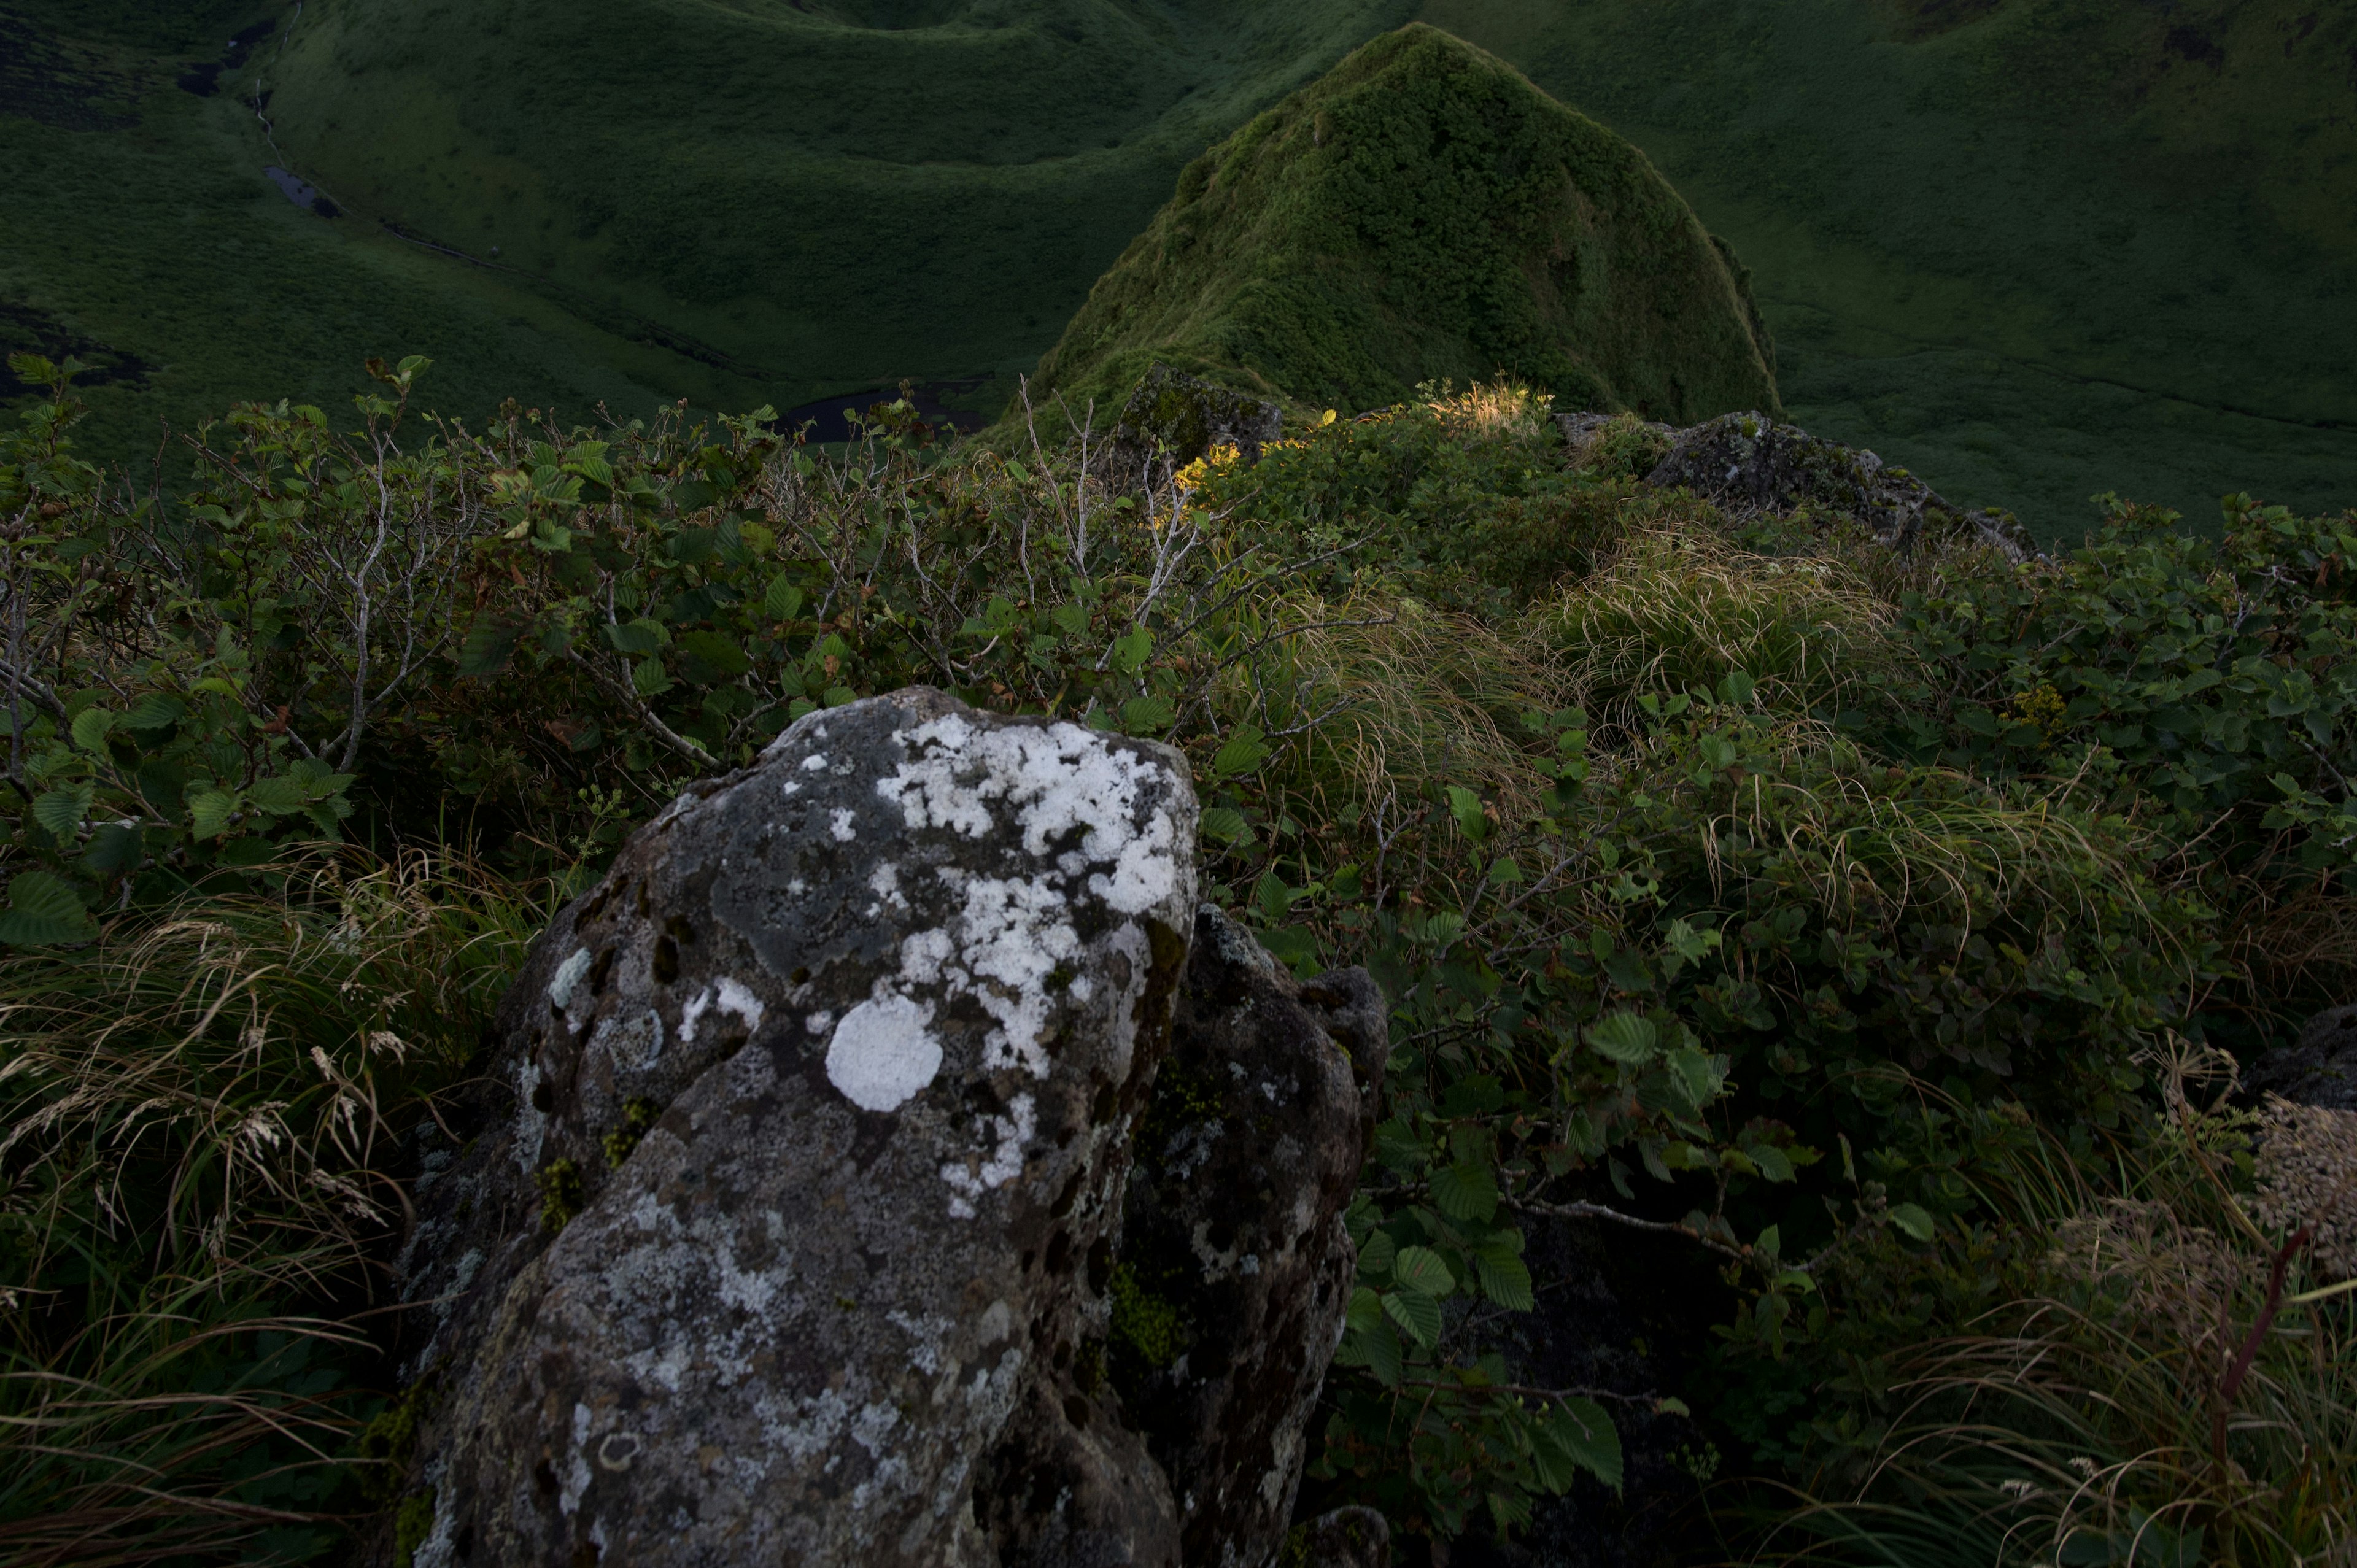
568, 975
971, 1178
532, 1123
883, 1051
576, 1472
631, 1040
729, 996
839, 824
1057, 779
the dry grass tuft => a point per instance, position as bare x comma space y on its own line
1408, 698
1680, 610
193, 1171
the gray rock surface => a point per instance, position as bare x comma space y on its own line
1355, 1537
1750, 463
795, 1189
1234, 1264
2320, 1069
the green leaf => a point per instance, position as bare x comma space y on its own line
488, 643
1274, 896
1377, 1349
1225, 824
42, 911
695, 495
63, 808
1585, 1434
280, 797
1148, 715
639, 637
1702, 1077
1244, 751
1475, 1096
156, 710
1913, 1218
649, 679
1506, 1280
1417, 1316
1466, 807
1365, 1311
1772, 1162
1421, 1271
114, 850
90, 728
1131, 652
1466, 1191
721, 652
783, 601
209, 812
1691, 943
1376, 1256
1624, 1036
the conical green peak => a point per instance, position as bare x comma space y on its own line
1421, 212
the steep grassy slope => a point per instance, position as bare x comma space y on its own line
1423, 212
840, 193
2033, 249
138, 233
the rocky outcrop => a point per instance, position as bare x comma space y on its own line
1750, 464
1355, 1537
1235, 1267
2320, 1069
787, 1223
1174, 418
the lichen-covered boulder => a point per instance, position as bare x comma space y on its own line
1235, 1266
1749, 462
791, 1205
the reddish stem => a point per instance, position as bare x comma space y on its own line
2237, 1369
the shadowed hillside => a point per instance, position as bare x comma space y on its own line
1424, 213
2033, 249
840, 194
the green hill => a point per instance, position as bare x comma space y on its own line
2032, 248
837, 194
1423, 212
625, 201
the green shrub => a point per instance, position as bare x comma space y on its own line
1704, 903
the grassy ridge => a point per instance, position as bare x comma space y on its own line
2032, 248
865, 190
1421, 212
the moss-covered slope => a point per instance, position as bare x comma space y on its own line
1422, 211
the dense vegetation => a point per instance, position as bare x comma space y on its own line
1872, 927
1421, 212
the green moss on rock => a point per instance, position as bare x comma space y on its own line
1423, 212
